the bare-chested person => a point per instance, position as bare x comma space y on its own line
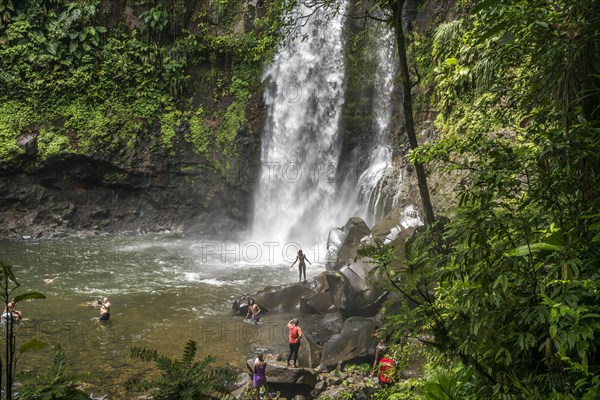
253, 311
10, 311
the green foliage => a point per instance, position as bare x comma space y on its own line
8, 365
360, 369
168, 122
15, 118
199, 134
56, 384
408, 389
455, 384
89, 89
508, 286
52, 144
186, 379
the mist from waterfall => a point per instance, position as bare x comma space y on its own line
300, 151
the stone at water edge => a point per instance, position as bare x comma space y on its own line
281, 374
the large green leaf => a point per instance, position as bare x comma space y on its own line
33, 345
532, 248
29, 296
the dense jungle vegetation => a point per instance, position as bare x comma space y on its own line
88, 83
503, 293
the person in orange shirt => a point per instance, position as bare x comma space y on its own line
294, 340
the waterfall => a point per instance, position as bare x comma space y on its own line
304, 94
373, 199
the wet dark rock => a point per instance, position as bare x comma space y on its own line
282, 298
319, 303
353, 344
359, 297
336, 285
333, 393
319, 388
131, 188
354, 231
279, 373
244, 379
310, 353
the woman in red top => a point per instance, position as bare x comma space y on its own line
294, 340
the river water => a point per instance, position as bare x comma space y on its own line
164, 290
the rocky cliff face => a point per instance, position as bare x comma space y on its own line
134, 189
136, 182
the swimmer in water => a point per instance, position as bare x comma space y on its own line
105, 310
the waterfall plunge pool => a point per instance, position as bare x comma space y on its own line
164, 290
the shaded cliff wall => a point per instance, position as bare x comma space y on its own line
146, 183
357, 126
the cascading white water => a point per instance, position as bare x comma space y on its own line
304, 96
371, 183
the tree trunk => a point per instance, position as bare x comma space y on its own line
409, 124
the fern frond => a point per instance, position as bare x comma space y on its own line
189, 352
143, 354
446, 38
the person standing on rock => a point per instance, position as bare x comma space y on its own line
294, 340
302, 265
260, 376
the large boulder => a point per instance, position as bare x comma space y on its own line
344, 242
359, 297
404, 217
279, 373
312, 297
321, 302
310, 353
336, 283
355, 343
281, 298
